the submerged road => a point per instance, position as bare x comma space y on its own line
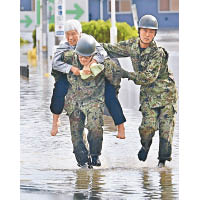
48, 166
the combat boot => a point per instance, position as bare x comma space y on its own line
96, 161
161, 163
85, 166
142, 154
88, 164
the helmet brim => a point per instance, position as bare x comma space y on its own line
84, 54
149, 27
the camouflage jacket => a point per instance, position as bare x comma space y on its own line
86, 94
150, 71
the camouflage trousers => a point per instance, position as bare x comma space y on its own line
94, 137
162, 119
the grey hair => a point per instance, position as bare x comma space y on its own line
73, 24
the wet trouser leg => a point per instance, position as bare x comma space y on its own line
77, 122
58, 98
166, 130
162, 118
148, 126
95, 131
113, 104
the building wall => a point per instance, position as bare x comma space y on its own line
25, 5
165, 19
94, 9
124, 17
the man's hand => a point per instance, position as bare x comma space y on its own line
75, 70
86, 70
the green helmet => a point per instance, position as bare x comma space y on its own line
148, 21
86, 46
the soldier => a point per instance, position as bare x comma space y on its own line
158, 94
73, 33
85, 100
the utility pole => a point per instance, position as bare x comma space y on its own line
38, 30
42, 31
101, 9
43, 38
113, 29
135, 16
43, 24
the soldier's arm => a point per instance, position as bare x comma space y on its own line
58, 64
151, 73
121, 49
112, 72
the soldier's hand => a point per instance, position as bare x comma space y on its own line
75, 70
86, 70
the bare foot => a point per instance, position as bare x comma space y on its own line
121, 131
54, 130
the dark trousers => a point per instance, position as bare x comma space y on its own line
113, 104
60, 90
58, 98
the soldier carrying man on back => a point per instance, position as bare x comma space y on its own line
85, 99
60, 69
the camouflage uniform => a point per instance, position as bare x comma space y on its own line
158, 94
59, 71
85, 103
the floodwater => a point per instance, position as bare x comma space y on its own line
48, 166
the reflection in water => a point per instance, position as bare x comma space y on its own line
158, 184
32, 62
166, 185
146, 184
89, 182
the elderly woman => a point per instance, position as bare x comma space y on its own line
60, 69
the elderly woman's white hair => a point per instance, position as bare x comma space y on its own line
73, 24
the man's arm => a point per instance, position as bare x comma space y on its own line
58, 64
121, 49
112, 72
